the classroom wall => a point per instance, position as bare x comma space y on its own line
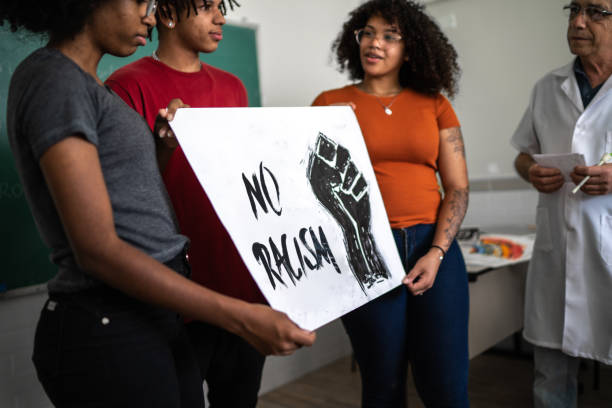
294, 41
504, 48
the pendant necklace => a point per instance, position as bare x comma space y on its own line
387, 108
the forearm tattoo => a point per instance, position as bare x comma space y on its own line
456, 202
455, 138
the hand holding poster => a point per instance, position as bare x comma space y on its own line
296, 191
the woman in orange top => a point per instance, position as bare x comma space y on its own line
403, 62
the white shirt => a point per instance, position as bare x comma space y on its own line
568, 300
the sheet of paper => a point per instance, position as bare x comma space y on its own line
295, 189
563, 161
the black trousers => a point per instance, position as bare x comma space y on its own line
231, 367
101, 348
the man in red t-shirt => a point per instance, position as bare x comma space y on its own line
229, 365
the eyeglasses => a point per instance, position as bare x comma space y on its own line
366, 34
593, 13
151, 7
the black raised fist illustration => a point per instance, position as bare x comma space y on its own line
342, 190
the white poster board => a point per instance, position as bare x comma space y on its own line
296, 191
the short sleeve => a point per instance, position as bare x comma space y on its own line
243, 97
320, 100
445, 114
525, 138
55, 107
125, 89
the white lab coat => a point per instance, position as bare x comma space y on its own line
568, 300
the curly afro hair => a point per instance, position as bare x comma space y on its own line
432, 61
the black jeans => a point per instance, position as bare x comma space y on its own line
231, 367
101, 348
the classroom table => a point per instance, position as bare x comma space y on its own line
496, 306
497, 297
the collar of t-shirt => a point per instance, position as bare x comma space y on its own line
587, 93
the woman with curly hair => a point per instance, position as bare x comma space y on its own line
402, 62
109, 335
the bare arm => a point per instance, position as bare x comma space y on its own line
74, 177
522, 163
453, 173
544, 179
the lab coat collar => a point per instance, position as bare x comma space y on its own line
570, 86
565, 71
603, 91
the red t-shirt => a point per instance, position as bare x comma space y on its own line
148, 85
403, 148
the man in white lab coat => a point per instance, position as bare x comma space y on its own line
568, 306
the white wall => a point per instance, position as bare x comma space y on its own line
294, 41
504, 48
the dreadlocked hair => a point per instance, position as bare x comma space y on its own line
188, 6
59, 19
432, 61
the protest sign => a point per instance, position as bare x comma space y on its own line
296, 191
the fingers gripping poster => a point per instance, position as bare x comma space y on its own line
295, 189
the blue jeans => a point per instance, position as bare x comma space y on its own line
430, 332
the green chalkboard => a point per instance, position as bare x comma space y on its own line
25, 259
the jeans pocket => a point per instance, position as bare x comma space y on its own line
605, 243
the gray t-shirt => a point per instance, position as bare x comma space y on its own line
50, 99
